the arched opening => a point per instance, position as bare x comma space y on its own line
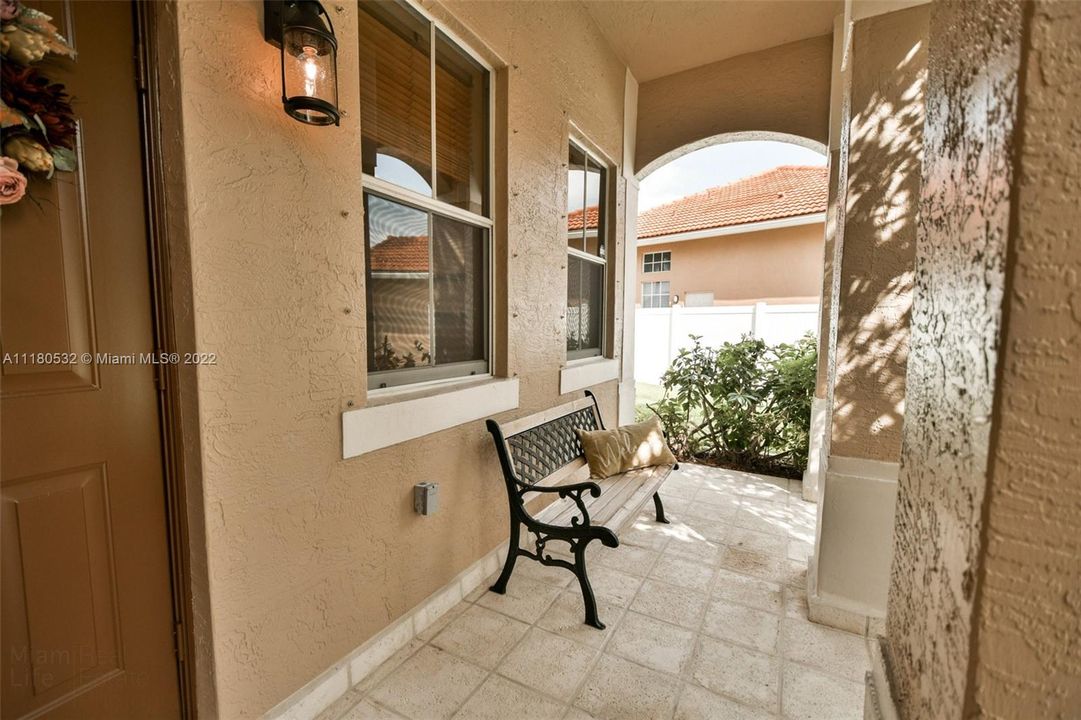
728, 287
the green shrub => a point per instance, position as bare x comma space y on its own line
742, 404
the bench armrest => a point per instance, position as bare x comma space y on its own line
564, 490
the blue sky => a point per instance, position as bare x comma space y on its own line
719, 165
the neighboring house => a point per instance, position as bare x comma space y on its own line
759, 239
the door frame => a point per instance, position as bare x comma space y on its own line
158, 84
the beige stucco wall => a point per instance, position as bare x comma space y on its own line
974, 52
743, 268
310, 555
875, 283
1027, 658
784, 89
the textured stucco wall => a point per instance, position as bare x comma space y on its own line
1027, 654
973, 60
875, 285
310, 555
785, 89
742, 268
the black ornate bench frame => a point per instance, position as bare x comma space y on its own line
539, 451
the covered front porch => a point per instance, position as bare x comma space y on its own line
706, 619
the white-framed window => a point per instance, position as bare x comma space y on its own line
426, 161
657, 261
656, 294
587, 271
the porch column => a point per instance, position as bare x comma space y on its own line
630, 250
872, 264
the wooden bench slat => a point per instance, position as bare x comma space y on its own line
622, 497
531, 421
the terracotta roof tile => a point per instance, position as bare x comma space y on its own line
401, 254
786, 191
574, 219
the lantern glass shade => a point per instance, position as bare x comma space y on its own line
309, 77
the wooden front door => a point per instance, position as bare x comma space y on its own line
87, 609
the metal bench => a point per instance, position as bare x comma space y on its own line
541, 453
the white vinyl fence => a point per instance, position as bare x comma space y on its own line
660, 333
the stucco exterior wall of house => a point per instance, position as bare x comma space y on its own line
309, 554
974, 55
783, 265
784, 89
878, 251
1026, 658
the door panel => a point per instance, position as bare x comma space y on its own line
86, 598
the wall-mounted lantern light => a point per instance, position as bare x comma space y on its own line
309, 56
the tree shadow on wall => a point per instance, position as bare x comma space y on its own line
877, 270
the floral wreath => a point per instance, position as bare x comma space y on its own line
37, 125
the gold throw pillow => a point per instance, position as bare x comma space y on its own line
610, 452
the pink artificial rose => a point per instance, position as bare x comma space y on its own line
9, 9
12, 182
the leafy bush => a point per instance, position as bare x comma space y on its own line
744, 404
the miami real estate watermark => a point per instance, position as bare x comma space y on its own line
105, 358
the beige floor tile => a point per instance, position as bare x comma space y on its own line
677, 605
481, 636
674, 506
620, 690
613, 586
800, 550
745, 590
680, 486
764, 517
499, 699
758, 542
525, 599
367, 710
697, 703
763, 487
389, 665
548, 574
690, 544
709, 502
739, 624
811, 695
432, 684
549, 663
566, 618
756, 564
445, 619
745, 675
795, 603
655, 644
630, 559
574, 713
645, 535
794, 573
682, 571
711, 525
832, 651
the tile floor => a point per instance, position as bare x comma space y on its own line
707, 618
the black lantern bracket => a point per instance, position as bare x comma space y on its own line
289, 24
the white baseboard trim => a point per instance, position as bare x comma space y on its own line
878, 697
335, 681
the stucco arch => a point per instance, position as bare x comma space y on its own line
782, 90
731, 137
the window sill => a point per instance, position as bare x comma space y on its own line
579, 374
406, 414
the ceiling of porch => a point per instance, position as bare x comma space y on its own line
660, 37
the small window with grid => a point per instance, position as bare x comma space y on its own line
657, 262
656, 294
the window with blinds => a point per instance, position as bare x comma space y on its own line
425, 133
